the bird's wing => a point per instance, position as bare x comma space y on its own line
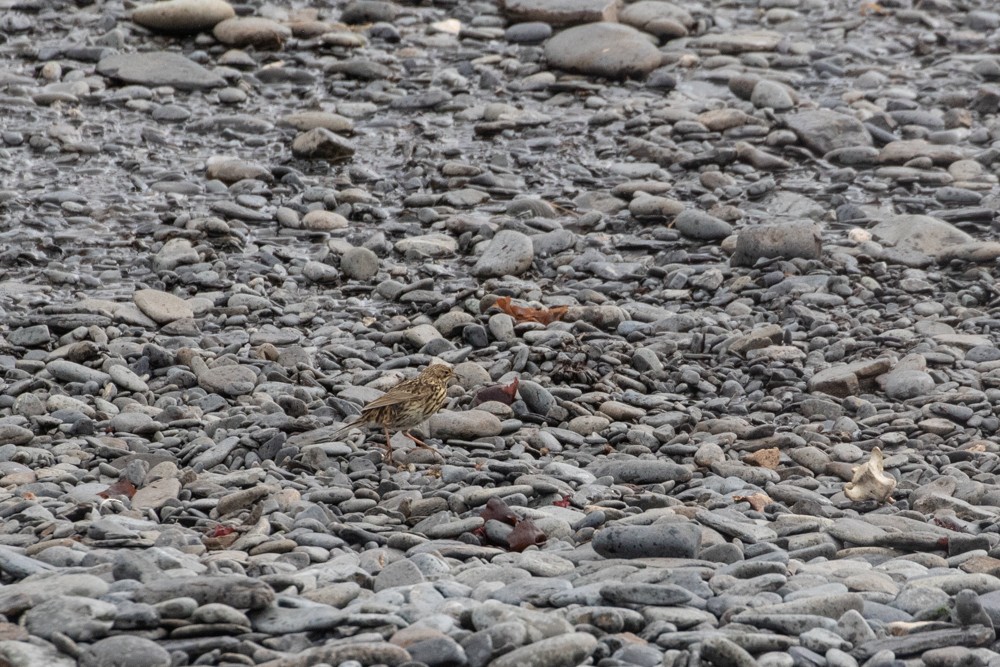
391, 397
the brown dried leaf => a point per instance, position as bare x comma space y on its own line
528, 314
764, 458
497, 392
220, 543
122, 487
758, 501
497, 510
873, 8
525, 534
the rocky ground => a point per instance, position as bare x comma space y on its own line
716, 279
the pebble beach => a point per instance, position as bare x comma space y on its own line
717, 280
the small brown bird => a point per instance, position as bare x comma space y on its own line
407, 405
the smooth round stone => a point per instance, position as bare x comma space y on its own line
401, 573
464, 425
368, 11
359, 264
162, 307
217, 612
31, 336
790, 241
125, 651
174, 253
508, 253
260, 33
428, 245
663, 19
905, 384
320, 143
588, 424
171, 113
665, 540
771, 94
561, 651
319, 272
983, 20
774, 659
982, 353
649, 206
441, 650
529, 32
661, 78
721, 651
183, 15
475, 335
134, 422
641, 471
232, 95
608, 50
323, 221
702, 226
663, 595
79, 618
853, 156
228, 380
310, 120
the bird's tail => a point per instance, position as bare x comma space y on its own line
347, 427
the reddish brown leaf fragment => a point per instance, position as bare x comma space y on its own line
221, 531
503, 393
758, 501
497, 510
122, 487
525, 534
765, 458
528, 314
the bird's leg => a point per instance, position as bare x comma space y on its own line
388, 445
420, 443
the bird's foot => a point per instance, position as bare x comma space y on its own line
420, 443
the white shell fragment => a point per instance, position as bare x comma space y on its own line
870, 481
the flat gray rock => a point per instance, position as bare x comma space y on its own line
508, 253
920, 233
183, 15
562, 12
822, 130
159, 68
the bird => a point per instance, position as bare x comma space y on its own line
406, 405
